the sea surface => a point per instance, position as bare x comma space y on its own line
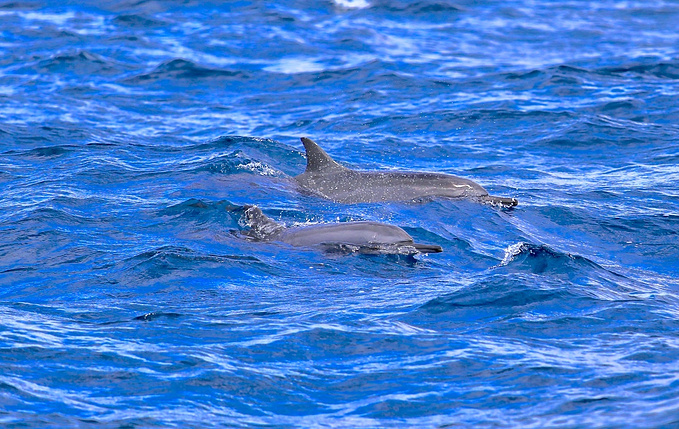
132, 131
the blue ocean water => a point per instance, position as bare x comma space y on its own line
129, 129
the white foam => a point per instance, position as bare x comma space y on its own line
512, 252
258, 167
295, 65
352, 4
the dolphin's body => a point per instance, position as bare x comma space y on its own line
364, 237
328, 179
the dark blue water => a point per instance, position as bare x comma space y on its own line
129, 130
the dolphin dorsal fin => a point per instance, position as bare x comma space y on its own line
317, 159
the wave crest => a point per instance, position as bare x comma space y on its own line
183, 71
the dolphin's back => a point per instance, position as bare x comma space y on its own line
354, 233
373, 236
350, 186
328, 179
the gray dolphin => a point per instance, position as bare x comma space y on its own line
328, 179
362, 237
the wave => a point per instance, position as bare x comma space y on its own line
540, 259
659, 70
364, 74
605, 91
137, 21
49, 215
258, 151
239, 162
545, 261
658, 226
136, 166
182, 254
21, 138
44, 152
363, 80
164, 266
220, 216
19, 5
184, 72
654, 238
576, 75
599, 131
5, 177
449, 125
570, 74
417, 9
497, 293
515, 302
193, 205
264, 157
538, 306
81, 62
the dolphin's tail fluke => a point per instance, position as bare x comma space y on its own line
499, 201
427, 248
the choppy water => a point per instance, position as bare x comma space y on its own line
127, 129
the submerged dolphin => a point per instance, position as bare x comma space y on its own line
364, 237
328, 179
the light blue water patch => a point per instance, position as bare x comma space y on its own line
131, 135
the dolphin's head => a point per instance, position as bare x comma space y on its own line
261, 226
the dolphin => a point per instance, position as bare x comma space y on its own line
328, 179
362, 237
